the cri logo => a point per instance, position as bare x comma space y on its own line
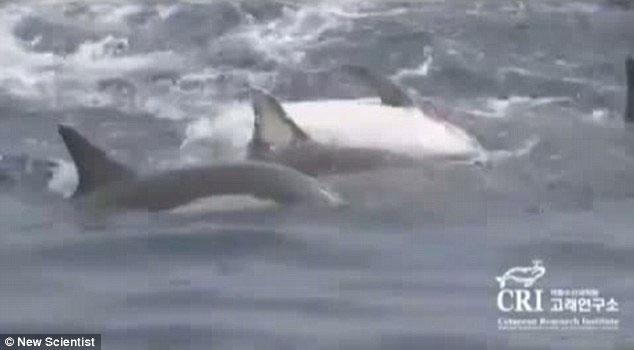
521, 299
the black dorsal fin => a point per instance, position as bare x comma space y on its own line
272, 126
390, 93
629, 102
94, 167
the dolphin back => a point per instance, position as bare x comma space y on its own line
174, 188
94, 167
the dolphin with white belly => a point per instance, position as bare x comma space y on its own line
277, 139
107, 185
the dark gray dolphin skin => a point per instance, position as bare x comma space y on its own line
629, 102
107, 185
390, 93
277, 139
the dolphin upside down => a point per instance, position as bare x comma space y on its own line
108, 185
277, 138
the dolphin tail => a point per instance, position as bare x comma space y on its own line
629, 104
94, 167
390, 93
272, 126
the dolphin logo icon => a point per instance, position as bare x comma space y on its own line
523, 275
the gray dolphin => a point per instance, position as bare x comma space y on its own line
276, 138
629, 103
107, 185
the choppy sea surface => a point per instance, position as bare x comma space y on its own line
411, 264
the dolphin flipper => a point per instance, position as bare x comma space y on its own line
272, 126
94, 167
629, 106
388, 91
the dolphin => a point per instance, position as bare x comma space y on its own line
277, 139
629, 102
524, 275
107, 185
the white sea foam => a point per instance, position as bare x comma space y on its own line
422, 70
502, 108
65, 178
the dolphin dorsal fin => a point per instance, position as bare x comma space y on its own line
390, 93
94, 167
272, 126
629, 103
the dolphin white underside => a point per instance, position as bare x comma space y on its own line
225, 203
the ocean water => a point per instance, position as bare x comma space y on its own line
536, 88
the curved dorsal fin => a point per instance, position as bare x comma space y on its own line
94, 167
390, 93
272, 126
629, 103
